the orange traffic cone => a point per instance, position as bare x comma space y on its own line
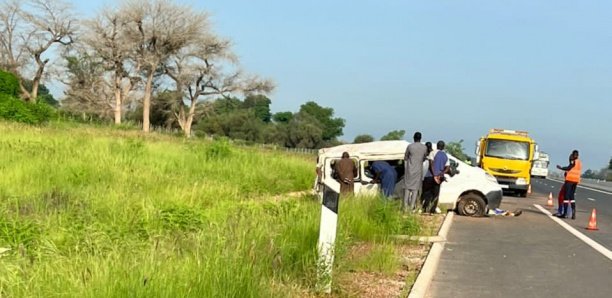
529, 189
549, 203
593, 221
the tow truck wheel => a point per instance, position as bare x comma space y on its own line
471, 205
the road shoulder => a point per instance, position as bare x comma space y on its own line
421, 285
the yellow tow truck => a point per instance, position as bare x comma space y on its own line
508, 155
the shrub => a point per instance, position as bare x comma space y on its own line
15, 109
219, 149
9, 84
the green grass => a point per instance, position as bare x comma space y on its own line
102, 212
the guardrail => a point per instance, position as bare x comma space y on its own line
593, 183
599, 184
597, 181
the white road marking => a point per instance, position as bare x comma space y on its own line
591, 199
596, 246
585, 187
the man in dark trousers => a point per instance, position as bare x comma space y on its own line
434, 177
346, 170
572, 178
561, 196
415, 155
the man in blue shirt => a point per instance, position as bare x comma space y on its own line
384, 174
433, 178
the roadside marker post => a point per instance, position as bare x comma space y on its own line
327, 238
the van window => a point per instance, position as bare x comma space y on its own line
397, 164
332, 165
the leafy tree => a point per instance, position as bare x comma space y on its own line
226, 105
245, 125
456, 149
282, 117
261, 105
15, 109
240, 124
331, 127
394, 135
304, 131
363, 139
44, 95
590, 174
162, 106
609, 175
9, 84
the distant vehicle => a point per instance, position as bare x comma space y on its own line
508, 156
471, 191
540, 166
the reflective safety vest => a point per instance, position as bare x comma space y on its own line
573, 175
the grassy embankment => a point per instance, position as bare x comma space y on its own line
101, 212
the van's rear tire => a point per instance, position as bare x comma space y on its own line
472, 205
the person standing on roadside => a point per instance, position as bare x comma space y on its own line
437, 168
572, 178
416, 154
346, 170
561, 195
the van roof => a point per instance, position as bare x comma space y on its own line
371, 148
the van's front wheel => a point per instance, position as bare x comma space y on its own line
471, 205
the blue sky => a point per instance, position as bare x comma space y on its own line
450, 69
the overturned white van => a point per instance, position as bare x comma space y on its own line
470, 192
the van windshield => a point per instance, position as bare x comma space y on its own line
540, 164
507, 149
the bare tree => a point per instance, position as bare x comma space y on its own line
198, 73
106, 39
29, 33
11, 34
88, 91
158, 29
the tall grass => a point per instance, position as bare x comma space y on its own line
100, 212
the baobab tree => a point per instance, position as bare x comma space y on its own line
106, 39
157, 30
198, 73
29, 30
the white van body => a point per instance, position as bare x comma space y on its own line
540, 166
469, 184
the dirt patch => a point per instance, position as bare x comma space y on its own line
376, 284
430, 224
411, 255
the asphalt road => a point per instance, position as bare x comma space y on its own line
586, 200
527, 256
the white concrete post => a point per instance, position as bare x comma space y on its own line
327, 238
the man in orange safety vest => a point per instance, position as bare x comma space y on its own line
572, 178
